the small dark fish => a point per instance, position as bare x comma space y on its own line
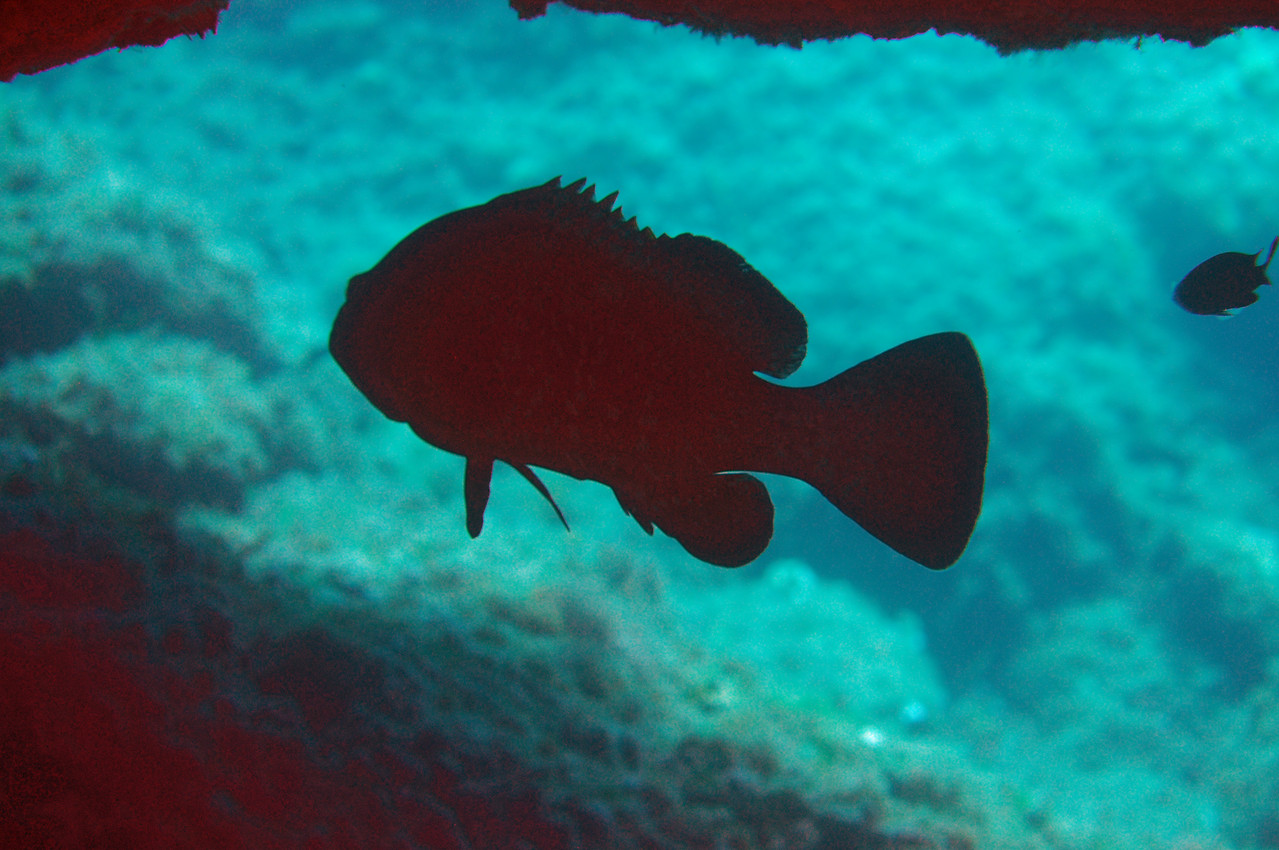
542, 329
1221, 283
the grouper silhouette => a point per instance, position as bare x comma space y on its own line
543, 329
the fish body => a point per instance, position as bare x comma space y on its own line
544, 330
1224, 282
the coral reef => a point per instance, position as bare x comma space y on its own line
85, 247
167, 417
594, 676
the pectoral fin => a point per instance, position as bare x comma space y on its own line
475, 489
541, 488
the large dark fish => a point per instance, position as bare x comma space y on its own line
1222, 283
541, 329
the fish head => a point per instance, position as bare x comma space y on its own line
410, 328
360, 353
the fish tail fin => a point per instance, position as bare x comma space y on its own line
1269, 257
900, 447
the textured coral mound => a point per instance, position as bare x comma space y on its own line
38, 34
1009, 25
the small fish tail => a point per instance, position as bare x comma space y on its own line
901, 446
1269, 256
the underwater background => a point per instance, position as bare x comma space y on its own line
239, 607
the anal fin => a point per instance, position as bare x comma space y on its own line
725, 519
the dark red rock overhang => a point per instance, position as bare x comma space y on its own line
1009, 25
39, 34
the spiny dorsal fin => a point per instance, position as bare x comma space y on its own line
576, 207
756, 320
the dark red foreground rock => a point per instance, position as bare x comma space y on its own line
39, 34
118, 730
1009, 25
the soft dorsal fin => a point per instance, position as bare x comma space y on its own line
769, 330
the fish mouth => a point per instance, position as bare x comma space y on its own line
357, 353
349, 348
340, 337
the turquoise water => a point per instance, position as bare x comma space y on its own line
1098, 670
